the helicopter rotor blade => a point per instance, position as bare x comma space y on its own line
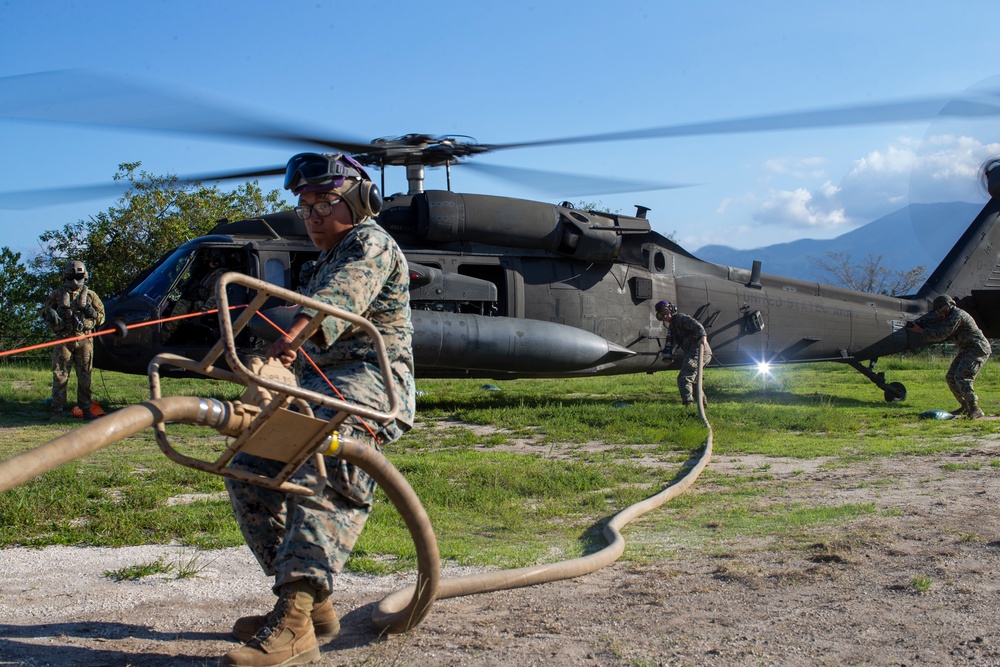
42, 197
95, 98
103, 99
100, 99
865, 114
567, 185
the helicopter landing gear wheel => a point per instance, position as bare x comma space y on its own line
895, 392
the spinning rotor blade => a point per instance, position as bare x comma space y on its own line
567, 185
94, 98
101, 99
88, 97
988, 105
42, 197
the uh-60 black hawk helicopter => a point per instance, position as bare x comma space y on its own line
506, 288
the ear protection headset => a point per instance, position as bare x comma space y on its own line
335, 172
363, 198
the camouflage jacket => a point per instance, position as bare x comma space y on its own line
366, 274
205, 296
961, 329
685, 331
73, 312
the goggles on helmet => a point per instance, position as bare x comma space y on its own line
330, 170
75, 270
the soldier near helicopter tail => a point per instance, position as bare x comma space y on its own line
73, 310
687, 334
958, 326
304, 541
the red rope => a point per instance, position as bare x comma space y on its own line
321, 373
95, 334
182, 317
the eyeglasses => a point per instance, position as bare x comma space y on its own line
322, 209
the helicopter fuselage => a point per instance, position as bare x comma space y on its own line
505, 288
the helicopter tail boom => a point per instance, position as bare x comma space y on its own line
970, 272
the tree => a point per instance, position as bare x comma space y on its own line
20, 298
155, 215
869, 275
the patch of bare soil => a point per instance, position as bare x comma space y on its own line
911, 584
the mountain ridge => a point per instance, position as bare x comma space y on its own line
917, 234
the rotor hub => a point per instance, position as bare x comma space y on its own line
420, 149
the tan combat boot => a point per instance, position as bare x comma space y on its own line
324, 620
287, 638
976, 412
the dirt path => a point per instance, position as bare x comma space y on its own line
850, 600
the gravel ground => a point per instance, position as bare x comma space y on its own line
852, 599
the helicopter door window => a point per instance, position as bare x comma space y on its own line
274, 272
659, 262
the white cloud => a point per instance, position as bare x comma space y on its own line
800, 207
940, 168
744, 200
809, 167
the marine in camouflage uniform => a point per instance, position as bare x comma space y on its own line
72, 310
686, 334
957, 326
304, 540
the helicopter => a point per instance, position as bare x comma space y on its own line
506, 288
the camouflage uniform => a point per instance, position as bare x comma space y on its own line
72, 312
310, 537
685, 333
973, 351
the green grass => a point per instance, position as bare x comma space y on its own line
922, 584
186, 567
523, 475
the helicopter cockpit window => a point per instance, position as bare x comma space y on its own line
156, 285
195, 292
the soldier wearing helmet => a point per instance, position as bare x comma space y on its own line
688, 335
304, 542
72, 311
954, 324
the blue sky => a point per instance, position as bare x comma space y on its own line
514, 71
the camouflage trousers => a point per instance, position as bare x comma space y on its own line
687, 377
78, 354
307, 538
962, 373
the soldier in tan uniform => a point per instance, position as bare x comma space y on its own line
73, 310
304, 541
958, 326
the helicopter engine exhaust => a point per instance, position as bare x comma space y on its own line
445, 217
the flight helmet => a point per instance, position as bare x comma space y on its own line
75, 273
